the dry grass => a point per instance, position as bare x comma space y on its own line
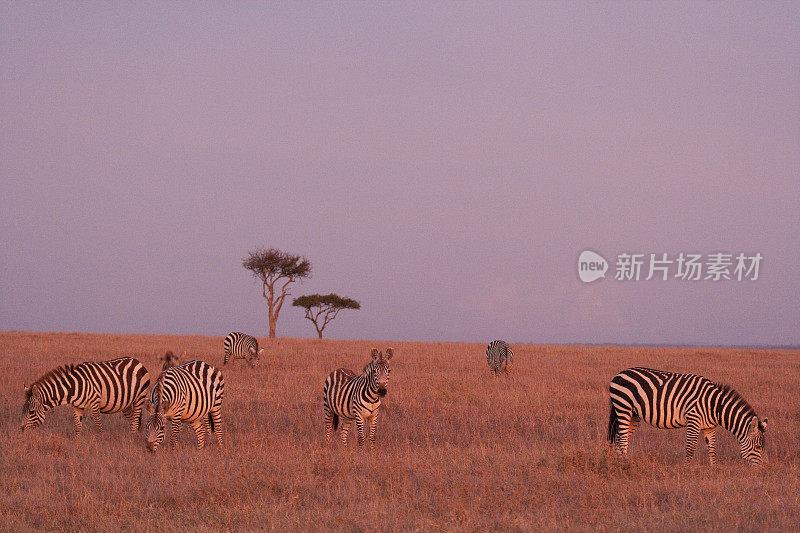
456, 450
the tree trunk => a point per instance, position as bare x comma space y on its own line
319, 333
273, 322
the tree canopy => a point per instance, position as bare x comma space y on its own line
323, 308
271, 265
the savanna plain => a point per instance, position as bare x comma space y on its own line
456, 448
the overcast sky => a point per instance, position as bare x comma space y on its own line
442, 163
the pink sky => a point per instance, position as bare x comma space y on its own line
442, 163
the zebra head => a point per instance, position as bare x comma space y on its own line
254, 358
36, 406
752, 445
380, 370
154, 428
170, 359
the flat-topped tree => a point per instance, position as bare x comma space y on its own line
276, 270
323, 308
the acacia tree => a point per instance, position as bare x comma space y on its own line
321, 309
276, 270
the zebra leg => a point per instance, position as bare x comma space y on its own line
216, 421
327, 419
709, 435
692, 434
136, 414
372, 425
78, 415
177, 424
360, 429
628, 420
129, 416
346, 422
95, 409
199, 427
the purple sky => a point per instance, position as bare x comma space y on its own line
444, 164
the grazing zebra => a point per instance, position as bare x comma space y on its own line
191, 392
499, 356
356, 397
99, 386
170, 360
240, 346
669, 400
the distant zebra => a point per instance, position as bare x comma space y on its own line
499, 356
669, 400
241, 346
170, 360
99, 386
191, 392
352, 397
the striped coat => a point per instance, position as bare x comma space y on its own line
352, 397
670, 400
499, 357
97, 386
239, 345
191, 392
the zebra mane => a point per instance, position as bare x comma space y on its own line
158, 389
731, 393
49, 376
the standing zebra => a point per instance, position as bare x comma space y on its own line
191, 392
99, 386
669, 400
499, 356
356, 397
241, 346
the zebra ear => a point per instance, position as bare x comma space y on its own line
763, 425
164, 405
25, 387
148, 405
261, 351
375, 353
389, 353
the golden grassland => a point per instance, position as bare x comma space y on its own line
456, 449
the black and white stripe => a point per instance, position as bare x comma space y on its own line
191, 392
499, 356
241, 346
99, 386
669, 400
352, 397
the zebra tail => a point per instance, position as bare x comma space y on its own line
613, 424
335, 421
211, 422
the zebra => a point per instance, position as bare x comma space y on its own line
670, 400
170, 360
191, 392
241, 346
356, 397
499, 356
99, 386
